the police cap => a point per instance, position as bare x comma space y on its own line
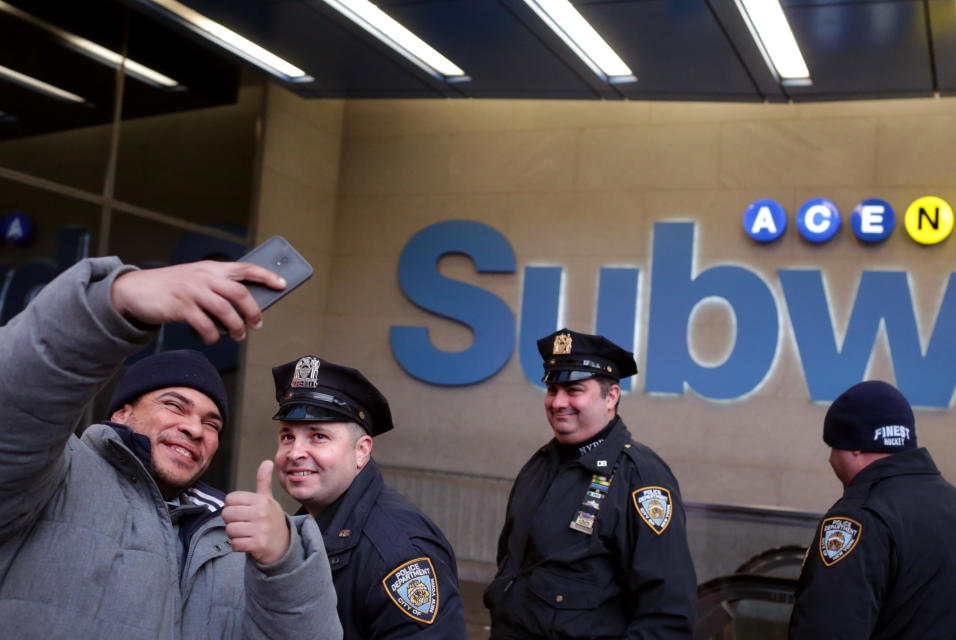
311, 389
569, 356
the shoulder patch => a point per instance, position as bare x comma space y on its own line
838, 537
413, 587
654, 506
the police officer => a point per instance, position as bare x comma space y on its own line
394, 572
594, 542
882, 563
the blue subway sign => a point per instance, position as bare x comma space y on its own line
882, 298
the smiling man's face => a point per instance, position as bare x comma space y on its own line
183, 427
578, 410
317, 461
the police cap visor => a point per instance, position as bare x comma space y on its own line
567, 376
309, 412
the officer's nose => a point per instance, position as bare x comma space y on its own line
559, 398
297, 450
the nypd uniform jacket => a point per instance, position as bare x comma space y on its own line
394, 572
632, 577
883, 564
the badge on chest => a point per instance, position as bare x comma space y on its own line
586, 516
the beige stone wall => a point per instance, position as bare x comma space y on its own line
580, 185
296, 198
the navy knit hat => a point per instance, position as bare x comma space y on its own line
181, 368
870, 416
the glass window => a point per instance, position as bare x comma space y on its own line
57, 104
43, 233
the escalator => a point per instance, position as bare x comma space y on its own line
754, 602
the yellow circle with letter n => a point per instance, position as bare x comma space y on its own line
929, 220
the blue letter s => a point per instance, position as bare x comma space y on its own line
486, 314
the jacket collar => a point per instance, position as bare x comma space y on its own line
135, 442
599, 459
912, 462
343, 521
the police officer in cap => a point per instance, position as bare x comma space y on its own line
394, 572
594, 542
882, 563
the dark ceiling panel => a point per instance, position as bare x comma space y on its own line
699, 50
728, 16
342, 59
502, 56
860, 50
679, 49
942, 15
208, 79
676, 50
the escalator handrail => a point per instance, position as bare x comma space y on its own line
786, 555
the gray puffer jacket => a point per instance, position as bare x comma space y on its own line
87, 548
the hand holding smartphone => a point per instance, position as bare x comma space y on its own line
278, 256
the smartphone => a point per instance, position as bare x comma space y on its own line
278, 256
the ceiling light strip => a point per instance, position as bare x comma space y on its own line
232, 41
40, 86
113, 59
562, 18
771, 31
95, 51
388, 30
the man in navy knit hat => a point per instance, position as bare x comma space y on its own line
111, 535
882, 563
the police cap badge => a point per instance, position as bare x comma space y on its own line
311, 389
569, 356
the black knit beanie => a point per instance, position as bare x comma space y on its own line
181, 368
870, 416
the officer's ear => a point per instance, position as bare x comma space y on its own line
613, 395
363, 450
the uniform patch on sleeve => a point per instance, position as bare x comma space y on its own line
654, 506
413, 587
838, 537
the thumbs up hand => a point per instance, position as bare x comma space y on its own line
255, 522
